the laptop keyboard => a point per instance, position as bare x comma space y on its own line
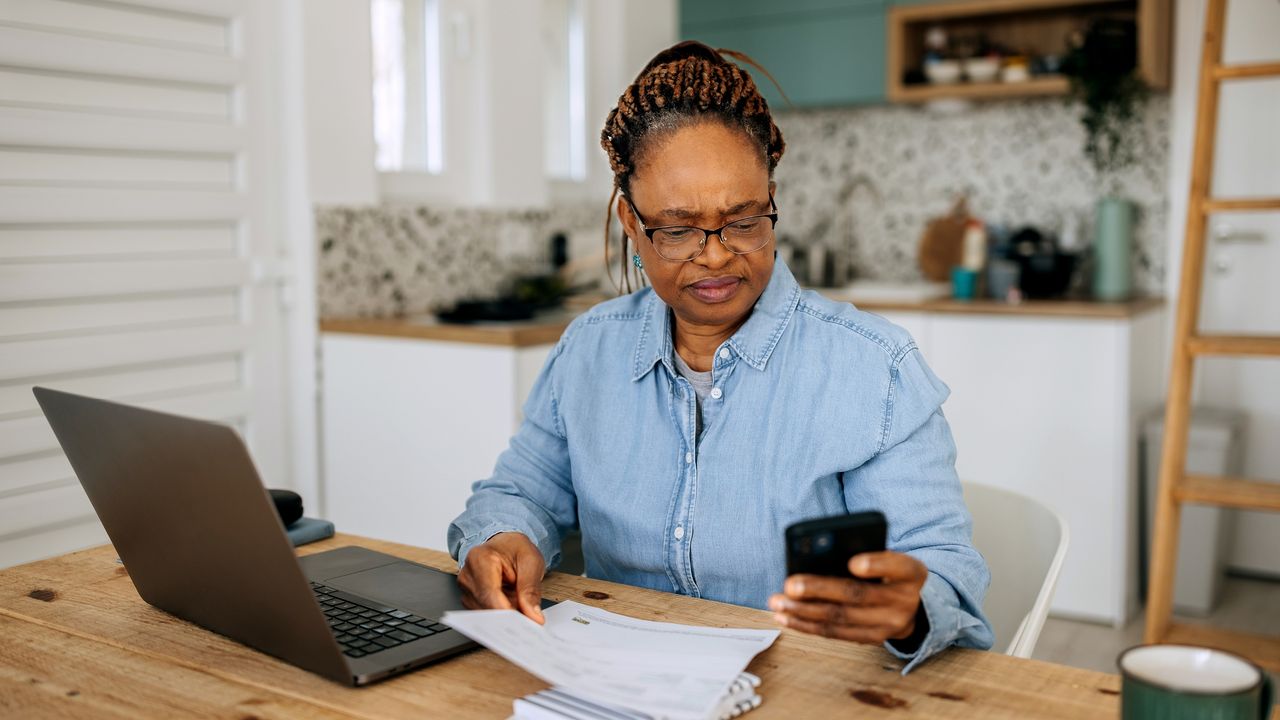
363, 627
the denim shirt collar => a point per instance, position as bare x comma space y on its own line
753, 342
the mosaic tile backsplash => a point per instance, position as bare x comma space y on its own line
404, 260
868, 180
863, 180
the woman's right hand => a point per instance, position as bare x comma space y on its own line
504, 572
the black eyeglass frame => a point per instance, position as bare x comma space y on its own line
706, 234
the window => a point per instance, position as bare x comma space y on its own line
407, 95
564, 107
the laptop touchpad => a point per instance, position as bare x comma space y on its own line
422, 591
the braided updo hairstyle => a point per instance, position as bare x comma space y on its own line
685, 84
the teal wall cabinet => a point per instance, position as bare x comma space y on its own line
824, 53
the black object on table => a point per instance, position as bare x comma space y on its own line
288, 504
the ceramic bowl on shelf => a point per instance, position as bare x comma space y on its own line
942, 72
982, 69
1015, 70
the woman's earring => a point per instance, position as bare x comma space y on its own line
635, 260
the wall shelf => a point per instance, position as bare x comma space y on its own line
1035, 87
1034, 26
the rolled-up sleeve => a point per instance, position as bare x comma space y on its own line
531, 490
912, 480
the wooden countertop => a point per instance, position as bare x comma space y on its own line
547, 330
509, 334
1085, 309
79, 642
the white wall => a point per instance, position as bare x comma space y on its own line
493, 125
338, 76
1240, 294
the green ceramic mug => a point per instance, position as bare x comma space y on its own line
1181, 682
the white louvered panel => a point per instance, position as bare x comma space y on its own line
87, 93
16, 399
44, 358
47, 281
211, 8
23, 436
98, 316
52, 541
67, 205
79, 167
65, 128
67, 241
24, 474
109, 59
31, 435
120, 22
28, 512
132, 198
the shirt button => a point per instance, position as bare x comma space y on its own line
680, 532
688, 457
724, 353
715, 393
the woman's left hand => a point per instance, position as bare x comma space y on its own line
853, 609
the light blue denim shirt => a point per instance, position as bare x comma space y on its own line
818, 409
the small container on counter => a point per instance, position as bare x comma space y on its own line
1003, 278
964, 283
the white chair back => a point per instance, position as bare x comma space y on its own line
1024, 544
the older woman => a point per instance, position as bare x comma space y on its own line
683, 427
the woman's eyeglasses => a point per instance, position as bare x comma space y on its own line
681, 243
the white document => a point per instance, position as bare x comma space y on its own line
661, 669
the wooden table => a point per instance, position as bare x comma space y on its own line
76, 641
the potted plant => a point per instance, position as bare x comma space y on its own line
1102, 66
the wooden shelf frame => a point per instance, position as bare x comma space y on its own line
1234, 344
1230, 492
1035, 87
1176, 485
1262, 204
1153, 18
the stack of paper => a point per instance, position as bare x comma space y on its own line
653, 669
557, 704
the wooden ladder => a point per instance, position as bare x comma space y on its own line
1176, 486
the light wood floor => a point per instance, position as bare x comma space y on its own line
1247, 605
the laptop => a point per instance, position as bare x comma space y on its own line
201, 539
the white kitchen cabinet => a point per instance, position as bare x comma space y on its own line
409, 424
1051, 407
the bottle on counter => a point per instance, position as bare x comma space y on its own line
967, 276
975, 245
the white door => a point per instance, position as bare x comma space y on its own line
141, 235
1241, 294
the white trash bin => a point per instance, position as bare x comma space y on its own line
1215, 447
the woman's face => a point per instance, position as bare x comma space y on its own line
704, 175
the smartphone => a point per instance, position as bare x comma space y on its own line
824, 546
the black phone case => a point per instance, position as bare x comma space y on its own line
824, 546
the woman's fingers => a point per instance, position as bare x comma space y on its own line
856, 608
837, 614
855, 633
836, 620
504, 573
891, 566
846, 591
481, 580
528, 584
